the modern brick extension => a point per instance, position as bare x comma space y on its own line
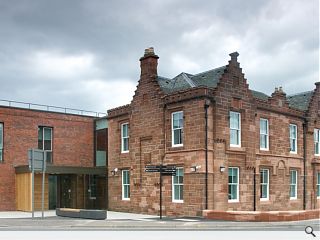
71, 139
271, 148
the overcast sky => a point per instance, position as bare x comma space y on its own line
85, 54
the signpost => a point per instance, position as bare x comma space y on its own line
37, 162
164, 170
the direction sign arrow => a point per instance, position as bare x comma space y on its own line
153, 166
168, 170
168, 174
152, 170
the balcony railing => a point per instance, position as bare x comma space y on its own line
42, 107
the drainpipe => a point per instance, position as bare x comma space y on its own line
304, 163
206, 106
254, 190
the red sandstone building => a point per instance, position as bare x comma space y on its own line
76, 147
235, 148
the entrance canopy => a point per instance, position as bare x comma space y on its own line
102, 171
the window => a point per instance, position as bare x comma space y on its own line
318, 185
124, 137
293, 138
316, 142
177, 186
45, 141
264, 184
233, 184
293, 184
235, 129
92, 187
125, 185
1, 142
264, 134
177, 129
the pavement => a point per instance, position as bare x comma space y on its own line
16, 220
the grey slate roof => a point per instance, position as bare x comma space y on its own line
185, 80
259, 95
300, 101
211, 78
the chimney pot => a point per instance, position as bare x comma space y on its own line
234, 56
149, 51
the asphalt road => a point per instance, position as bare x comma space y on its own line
150, 224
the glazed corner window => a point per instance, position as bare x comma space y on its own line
264, 134
177, 129
293, 184
45, 141
125, 185
1, 142
264, 184
235, 129
293, 138
316, 142
233, 184
125, 137
177, 186
318, 185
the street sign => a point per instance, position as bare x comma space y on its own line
36, 160
152, 170
168, 174
164, 170
153, 166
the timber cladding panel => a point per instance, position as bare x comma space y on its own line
24, 192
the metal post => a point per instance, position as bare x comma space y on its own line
160, 191
32, 182
43, 181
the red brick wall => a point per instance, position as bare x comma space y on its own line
72, 143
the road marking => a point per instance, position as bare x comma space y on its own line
144, 219
186, 220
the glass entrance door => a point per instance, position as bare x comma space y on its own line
53, 192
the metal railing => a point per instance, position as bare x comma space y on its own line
42, 107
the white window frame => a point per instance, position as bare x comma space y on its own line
178, 184
264, 183
295, 184
124, 137
1, 138
264, 134
236, 129
236, 184
125, 184
317, 142
318, 185
296, 138
172, 130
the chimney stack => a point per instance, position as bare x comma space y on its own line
149, 63
234, 57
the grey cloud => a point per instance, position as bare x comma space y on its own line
200, 34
